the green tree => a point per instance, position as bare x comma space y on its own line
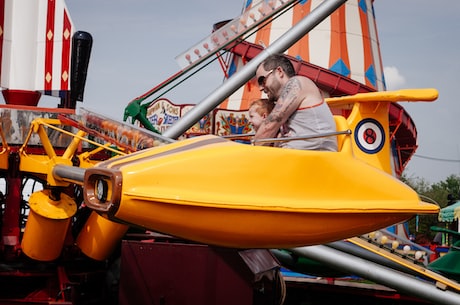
437, 193
450, 186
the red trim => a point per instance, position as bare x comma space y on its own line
42, 109
312, 106
66, 46
49, 44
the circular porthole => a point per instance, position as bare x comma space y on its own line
370, 136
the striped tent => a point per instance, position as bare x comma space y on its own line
346, 43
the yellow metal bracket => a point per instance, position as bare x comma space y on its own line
44, 164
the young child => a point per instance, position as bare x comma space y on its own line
258, 111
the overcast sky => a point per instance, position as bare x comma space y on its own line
136, 41
420, 45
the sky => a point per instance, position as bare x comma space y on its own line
136, 42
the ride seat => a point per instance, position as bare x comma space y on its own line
343, 140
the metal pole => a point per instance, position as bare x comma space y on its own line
247, 72
69, 173
378, 274
288, 139
369, 256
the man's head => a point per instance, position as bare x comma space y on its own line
258, 111
273, 73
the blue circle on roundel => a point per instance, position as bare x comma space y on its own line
370, 136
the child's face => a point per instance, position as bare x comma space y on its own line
255, 118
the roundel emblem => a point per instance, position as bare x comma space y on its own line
369, 136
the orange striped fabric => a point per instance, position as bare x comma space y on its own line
346, 42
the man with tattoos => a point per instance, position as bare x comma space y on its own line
300, 109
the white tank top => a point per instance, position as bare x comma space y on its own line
313, 120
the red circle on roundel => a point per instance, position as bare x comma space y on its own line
370, 136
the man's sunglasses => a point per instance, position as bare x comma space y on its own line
262, 79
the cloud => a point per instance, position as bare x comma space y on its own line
393, 79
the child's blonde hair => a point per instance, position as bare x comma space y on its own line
264, 106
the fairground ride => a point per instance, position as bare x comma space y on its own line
82, 189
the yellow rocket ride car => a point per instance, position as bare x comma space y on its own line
214, 191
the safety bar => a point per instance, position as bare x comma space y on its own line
307, 137
237, 136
